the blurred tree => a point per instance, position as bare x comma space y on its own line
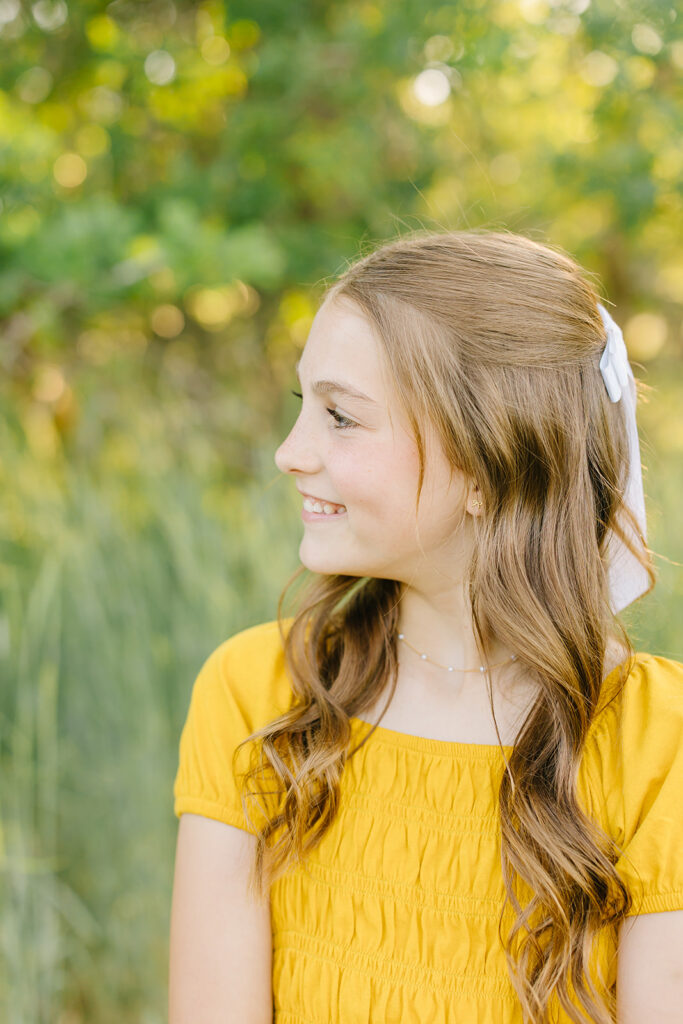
178, 181
172, 171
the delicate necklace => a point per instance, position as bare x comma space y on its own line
451, 668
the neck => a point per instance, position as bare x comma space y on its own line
440, 626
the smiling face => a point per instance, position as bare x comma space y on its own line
372, 467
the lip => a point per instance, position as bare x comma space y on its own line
315, 517
323, 501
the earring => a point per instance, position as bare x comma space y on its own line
477, 503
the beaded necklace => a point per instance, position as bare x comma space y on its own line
451, 668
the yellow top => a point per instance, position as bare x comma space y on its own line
394, 916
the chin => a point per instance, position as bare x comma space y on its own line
330, 566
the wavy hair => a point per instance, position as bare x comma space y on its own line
493, 340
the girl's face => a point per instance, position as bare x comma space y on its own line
359, 452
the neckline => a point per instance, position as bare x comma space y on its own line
453, 748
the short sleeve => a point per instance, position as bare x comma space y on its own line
240, 687
634, 778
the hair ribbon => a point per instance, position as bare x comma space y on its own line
627, 578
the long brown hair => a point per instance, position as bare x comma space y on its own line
494, 340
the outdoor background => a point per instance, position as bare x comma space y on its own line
178, 181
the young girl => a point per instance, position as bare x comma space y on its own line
507, 845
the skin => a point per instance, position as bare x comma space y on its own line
372, 469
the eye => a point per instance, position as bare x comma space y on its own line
341, 422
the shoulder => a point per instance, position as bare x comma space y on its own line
257, 645
633, 757
245, 676
648, 703
240, 688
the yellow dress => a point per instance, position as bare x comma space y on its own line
394, 916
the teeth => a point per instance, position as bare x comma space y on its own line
319, 507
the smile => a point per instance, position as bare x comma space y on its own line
314, 505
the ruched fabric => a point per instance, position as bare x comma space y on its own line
394, 916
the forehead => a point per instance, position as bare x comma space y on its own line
341, 345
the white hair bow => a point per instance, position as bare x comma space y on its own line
627, 578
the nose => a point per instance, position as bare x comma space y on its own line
297, 453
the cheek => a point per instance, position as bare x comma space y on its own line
383, 481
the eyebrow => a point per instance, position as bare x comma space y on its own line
325, 387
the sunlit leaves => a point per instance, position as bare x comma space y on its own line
252, 144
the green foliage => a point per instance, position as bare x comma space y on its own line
177, 183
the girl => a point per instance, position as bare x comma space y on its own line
507, 846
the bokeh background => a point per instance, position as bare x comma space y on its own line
178, 183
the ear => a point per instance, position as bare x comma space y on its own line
474, 505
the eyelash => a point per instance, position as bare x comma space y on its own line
341, 422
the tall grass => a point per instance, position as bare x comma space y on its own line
113, 589
103, 631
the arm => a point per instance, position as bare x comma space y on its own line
220, 966
650, 969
